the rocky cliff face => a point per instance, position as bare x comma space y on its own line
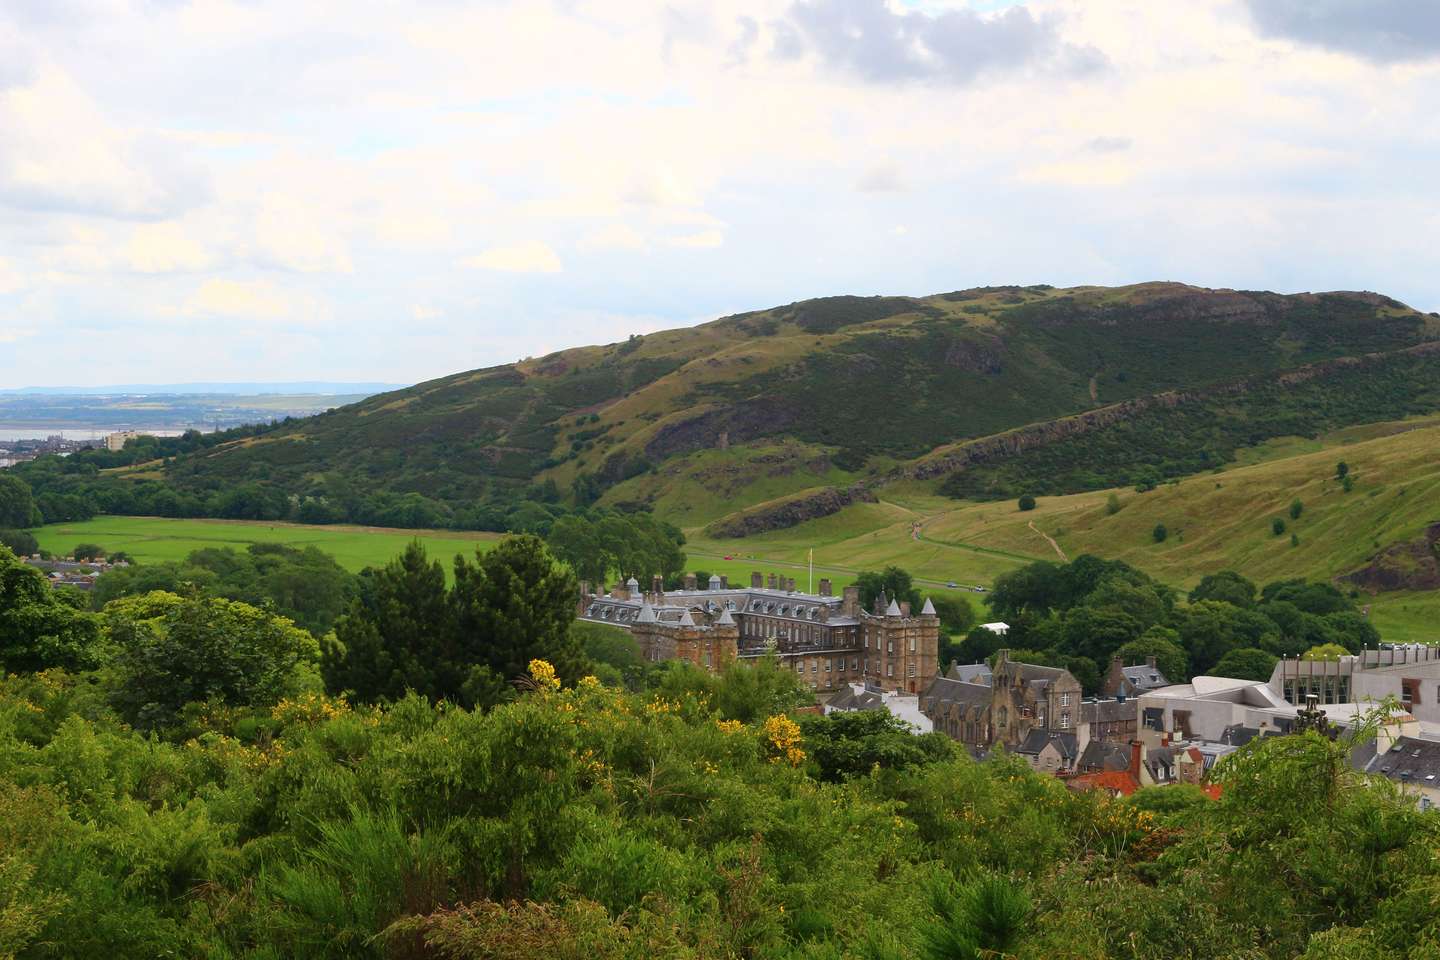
789, 513
1412, 565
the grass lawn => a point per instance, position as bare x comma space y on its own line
160, 539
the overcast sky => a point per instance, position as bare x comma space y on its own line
355, 189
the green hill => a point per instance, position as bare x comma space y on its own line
703, 421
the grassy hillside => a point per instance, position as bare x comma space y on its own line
693, 420
1215, 521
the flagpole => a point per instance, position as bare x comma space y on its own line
811, 588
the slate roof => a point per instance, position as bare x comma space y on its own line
1100, 756
847, 699
945, 690
1145, 677
1107, 711
970, 673
1036, 740
1409, 760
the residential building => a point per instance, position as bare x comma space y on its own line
1051, 751
1129, 682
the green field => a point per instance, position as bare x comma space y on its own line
158, 539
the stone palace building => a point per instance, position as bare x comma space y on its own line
827, 639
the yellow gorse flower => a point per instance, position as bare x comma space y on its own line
543, 674
783, 735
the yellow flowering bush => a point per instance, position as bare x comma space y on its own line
782, 736
308, 709
542, 674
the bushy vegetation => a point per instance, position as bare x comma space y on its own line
175, 782
306, 585
1203, 432
589, 823
1081, 614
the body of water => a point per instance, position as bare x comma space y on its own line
13, 432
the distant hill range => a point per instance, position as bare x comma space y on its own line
773, 417
301, 387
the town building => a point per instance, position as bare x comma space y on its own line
116, 441
1018, 698
1121, 680
1408, 672
828, 640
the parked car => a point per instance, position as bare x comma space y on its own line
952, 584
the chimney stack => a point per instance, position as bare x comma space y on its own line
850, 601
825, 587
724, 582
772, 582
904, 608
657, 586
690, 581
1136, 754
756, 580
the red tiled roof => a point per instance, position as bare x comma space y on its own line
1118, 781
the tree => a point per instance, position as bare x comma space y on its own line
1325, 651
171, 651
512, 605
87, 551
1277, 526
893, 582
1226, 586
1296, 508
1027, 503
17, 506
1033, 590
1159, 533
399, 634
852, 744
1246, 663
956, 616
39, 629
1112, 505
1163, 644
21, 542
1342, 470
1352, 630
1098, 632
1210, 629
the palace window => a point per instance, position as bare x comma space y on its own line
1065, 720
1064, 699
912, 644
827, 666
890, 646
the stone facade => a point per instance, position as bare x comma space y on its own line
1019, 698
827, 639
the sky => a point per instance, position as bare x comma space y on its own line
365, 190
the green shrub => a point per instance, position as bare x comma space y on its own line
1159, 533
1027, 502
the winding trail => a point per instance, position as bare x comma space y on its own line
1050, 540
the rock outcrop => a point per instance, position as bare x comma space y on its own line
1410, 565
790, 512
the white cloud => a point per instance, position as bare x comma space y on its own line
255, 300
165, 248
11, 280
705, 239
614, 236
370, 168
533, 256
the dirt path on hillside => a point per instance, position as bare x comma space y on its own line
1050, 540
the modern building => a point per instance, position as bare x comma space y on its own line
827, 639
1408, 672
116, 441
